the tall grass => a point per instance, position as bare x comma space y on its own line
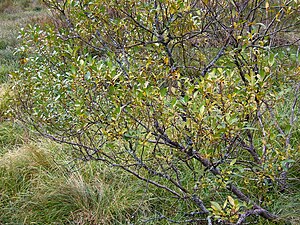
288, 204
36, 187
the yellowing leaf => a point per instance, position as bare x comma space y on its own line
216, 206
172, 90
225, 204
201, 110
231, 200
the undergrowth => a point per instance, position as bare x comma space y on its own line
37, 187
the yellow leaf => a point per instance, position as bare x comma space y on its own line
23, 61
266, 69
205, 2
166, 60
175, 74
267, 6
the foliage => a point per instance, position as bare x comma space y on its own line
181, 94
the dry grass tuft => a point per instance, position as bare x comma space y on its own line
28, 156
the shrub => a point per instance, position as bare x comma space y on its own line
182, 95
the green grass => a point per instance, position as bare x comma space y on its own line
288, 204
11, 135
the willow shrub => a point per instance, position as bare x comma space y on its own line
181, 94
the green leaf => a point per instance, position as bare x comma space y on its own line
201, 110
87, 76
163, 91
233, 162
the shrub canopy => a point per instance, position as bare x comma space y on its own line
181, 94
